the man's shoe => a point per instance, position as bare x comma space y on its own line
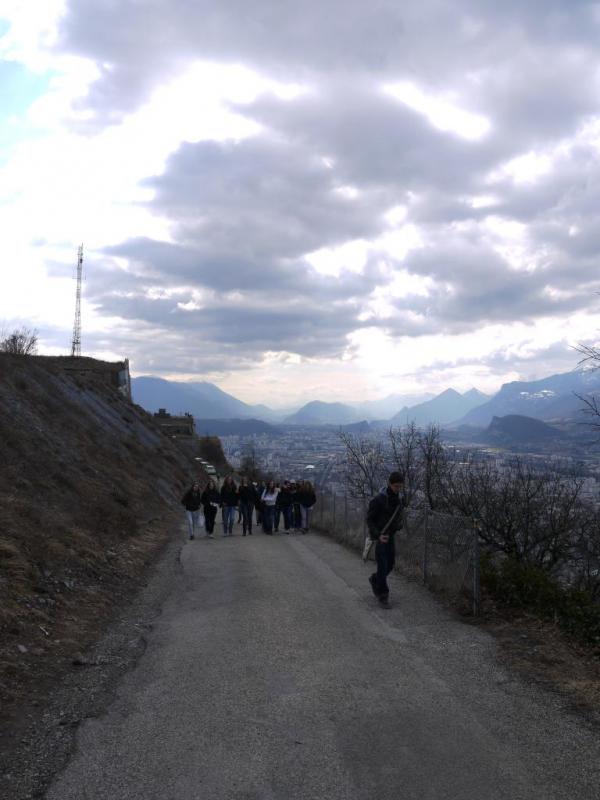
384, 601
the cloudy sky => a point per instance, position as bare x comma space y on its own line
329, 200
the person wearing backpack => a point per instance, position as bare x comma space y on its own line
306, 499
384, 518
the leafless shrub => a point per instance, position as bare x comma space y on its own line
21, 342
530, 515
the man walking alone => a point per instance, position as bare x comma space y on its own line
384, 518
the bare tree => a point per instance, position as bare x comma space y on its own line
406, 455
21, 342
591, 403
591, 355
365, 465
435, 467
422, 458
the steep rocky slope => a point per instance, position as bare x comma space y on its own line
89, 493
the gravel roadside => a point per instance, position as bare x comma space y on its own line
45, 738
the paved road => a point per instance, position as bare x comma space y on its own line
271, 675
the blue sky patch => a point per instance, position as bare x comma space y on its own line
19, 88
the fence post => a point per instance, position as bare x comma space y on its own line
333, 513
476, 570
345, 514
425, 547
364, 518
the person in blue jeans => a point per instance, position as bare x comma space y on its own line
306, 499
229, 504
284, 506
269, 500
192, 500
248, 498
384, 518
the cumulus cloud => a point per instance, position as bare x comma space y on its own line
442, 44
477, 123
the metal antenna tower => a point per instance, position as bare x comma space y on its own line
76, 343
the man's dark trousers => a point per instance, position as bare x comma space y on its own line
385, 555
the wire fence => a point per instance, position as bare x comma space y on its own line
441, 550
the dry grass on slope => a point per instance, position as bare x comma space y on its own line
89, 491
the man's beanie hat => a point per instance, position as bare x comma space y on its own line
396, 477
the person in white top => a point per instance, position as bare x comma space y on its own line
269, 499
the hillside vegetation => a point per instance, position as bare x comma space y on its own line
517, 428
89, 492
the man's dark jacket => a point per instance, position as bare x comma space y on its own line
381, 510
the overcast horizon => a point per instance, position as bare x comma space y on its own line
332, 201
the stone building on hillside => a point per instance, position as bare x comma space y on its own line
113, 373
175, 425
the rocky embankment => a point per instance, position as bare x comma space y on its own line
89, 494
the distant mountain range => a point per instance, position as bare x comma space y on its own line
318, 413
388, 406
206, 401
201, 399
549, 399
446, 407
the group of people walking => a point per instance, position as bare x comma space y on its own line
287, 505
